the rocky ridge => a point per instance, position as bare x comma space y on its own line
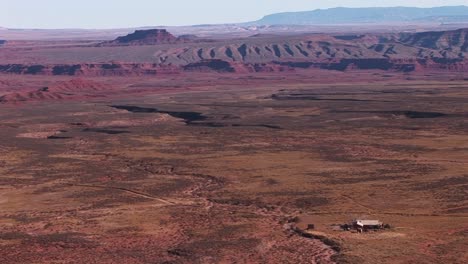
159, 52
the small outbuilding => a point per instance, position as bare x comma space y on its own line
365, 225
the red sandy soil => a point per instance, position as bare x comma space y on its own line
311, 126
85, 182
14, 91
72, 89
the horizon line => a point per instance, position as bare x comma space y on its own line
215, 24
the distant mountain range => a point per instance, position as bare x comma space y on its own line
342, 15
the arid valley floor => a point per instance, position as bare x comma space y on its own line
152, 148
223, 171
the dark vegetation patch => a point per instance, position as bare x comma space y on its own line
377, 176
78, 124
415, 114
408, 114
393, 170
270, 181
35, 69
109, 66
212, 64
66, 69
361, 63
463, 233
335, 153
296, 64
180, 252
20, 69
105, 131
447, 60
442, 183
365, 64
26, 219
125, 230
286, 193
406, 167
407, 148
136, 109
188, 117
116, 201
263, 125
49, 189
316, 98
168, 188
15, 181
57, 237
14, 236
106, 197
310, 202
63, 240
58, 137
211, 246
217, 124
237, 201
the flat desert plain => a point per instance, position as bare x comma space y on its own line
196, 168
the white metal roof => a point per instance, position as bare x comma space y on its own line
368, 222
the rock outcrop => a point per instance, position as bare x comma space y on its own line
445, 50
145, 37
455, 41
226, 66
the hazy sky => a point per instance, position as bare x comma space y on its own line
133, 13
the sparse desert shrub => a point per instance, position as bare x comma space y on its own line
271, 181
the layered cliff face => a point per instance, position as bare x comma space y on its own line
452, 41
152, 52
224, 66
87, 69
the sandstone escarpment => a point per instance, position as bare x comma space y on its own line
144, 37
151, 52
450, 41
